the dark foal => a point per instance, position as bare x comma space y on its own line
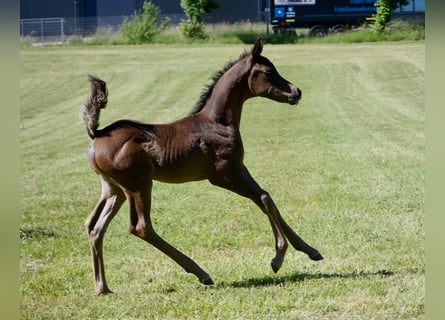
128, 155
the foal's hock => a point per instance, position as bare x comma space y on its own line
128, 155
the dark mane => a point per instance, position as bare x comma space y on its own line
208, 89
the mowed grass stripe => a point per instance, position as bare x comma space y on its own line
345, 167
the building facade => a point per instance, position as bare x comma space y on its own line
83, 17
228, 11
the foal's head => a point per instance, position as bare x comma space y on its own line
265, 81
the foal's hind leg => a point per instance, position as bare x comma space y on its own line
141, 226
96, 224
241, 182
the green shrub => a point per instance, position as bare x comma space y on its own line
192, 29
384, 10
142, 26
194, 26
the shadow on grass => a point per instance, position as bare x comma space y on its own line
298, 277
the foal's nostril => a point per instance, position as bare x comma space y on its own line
294, 96
296, 92
299, 93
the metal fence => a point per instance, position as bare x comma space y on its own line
62, 29
45, 29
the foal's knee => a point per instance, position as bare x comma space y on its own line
271, 211
267, 201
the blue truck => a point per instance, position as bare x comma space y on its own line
320, 16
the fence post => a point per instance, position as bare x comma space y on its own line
61, 29
41, 30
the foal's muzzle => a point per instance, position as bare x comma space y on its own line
294, 96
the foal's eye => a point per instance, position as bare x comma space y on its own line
268, 73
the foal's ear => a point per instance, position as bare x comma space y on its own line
257, 47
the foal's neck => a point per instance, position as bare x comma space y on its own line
227, 98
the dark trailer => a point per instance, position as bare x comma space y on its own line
320, 16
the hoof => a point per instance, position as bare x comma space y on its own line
207, 282
276, 264
274, 268
104, 292
316, 256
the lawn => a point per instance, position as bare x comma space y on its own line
346, 167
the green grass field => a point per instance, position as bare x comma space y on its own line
346, 167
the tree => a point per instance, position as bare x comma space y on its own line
142, 26
384, 10
193, 26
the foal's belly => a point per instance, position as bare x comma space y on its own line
179, 174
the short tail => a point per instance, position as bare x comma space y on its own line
98, 100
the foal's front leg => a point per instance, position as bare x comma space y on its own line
241, 182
